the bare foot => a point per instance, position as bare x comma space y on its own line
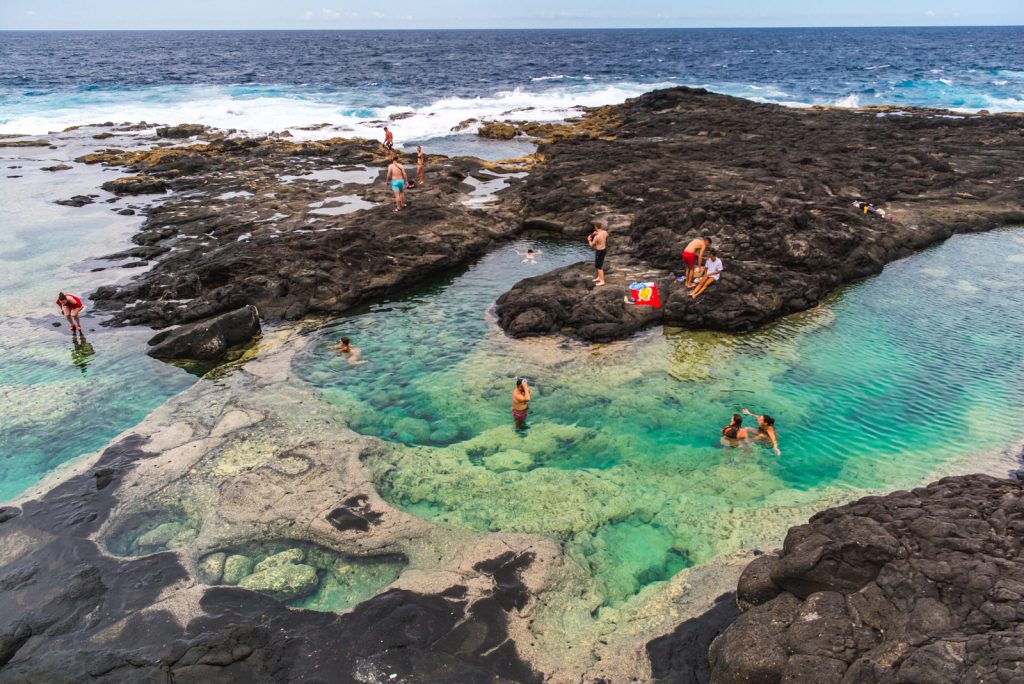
599, 283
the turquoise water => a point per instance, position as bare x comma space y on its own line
60, 399
877, 388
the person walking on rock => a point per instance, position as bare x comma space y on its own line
419, 166
70, 306
712, 272
693, 255
389, 139
396, 176
598, 241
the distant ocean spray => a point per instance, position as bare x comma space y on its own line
434, 80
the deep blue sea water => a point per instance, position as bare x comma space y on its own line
262, 81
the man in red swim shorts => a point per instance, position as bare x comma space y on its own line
520, 402
693, 255
70, 306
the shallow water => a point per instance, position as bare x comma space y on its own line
876, 388
60, 399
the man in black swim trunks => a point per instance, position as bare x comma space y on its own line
598, 240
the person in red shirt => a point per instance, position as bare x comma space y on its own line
70, 306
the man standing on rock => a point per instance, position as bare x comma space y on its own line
693, 255
598, 241
389, 139
396, 176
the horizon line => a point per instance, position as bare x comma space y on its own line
511, 28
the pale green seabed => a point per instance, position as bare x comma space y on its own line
60, 399
874, 390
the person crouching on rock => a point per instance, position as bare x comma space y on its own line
70, 306
712, 272
598, 241
396, 176
766, 430
693, 255
520, 402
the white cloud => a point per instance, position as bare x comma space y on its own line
29, 13
307, 15
931, 13
331, 14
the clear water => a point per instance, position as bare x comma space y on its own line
622, 460
59, 399
356, 80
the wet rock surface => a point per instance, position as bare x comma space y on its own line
773, 187
73, 613
918, 586
292, 228
207, 340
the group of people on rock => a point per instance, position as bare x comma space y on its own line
697, 277
396, 175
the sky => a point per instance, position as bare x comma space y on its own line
413, 14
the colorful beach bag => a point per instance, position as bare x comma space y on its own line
644, 294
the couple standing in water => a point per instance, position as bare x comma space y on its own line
734, 434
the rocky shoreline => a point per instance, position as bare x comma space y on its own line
145, 562
772, 186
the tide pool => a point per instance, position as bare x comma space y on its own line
876, 389
61, 398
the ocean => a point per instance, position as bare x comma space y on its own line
286, 80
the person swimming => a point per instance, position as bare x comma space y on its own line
766, 430
734, 434
345, 347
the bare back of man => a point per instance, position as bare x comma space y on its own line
398, 179
693, 254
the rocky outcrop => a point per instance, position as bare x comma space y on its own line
207, 340
497, 130
248, 228
772, 186
918, 586
181, 131
135, 185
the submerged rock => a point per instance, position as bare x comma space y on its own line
288, 557
211, 568
161, 535
236, 566
918, 586
207, 340
284, 582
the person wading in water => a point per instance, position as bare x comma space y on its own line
520, 402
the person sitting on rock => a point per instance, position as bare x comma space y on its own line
389, 139
71, 306
766, 430
345, 347
734, 434
396, 176
693, 255
712, 272
598, 240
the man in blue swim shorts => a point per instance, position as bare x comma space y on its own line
396, 176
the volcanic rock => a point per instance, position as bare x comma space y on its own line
135, 185
497, 130
918, 586
56, 167
182, 131
76, 201
207, 340
772, 186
